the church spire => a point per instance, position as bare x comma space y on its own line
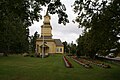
46, 28
47, 18
47, 12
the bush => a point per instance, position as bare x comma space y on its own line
31, 55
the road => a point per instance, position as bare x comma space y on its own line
116, 58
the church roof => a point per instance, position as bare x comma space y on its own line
44, 46
58, 42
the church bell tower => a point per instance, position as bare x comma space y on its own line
46, 29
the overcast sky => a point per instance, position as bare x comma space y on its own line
70, 32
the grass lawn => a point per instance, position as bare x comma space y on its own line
16, 67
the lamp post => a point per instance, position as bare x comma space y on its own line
43, 44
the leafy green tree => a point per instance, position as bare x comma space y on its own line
15, 18
86, 10
73, 48
69, 48
33, 41
102, 30
66, 48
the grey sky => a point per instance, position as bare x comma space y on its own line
70, 32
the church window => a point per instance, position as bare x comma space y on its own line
60, 49
57, 49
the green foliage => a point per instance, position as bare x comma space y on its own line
86, 9
33, 41
57, 7
66, 48
73, 48
103, 32
69, 48
14, 24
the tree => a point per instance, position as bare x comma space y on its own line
33, 41
102, 31
66, 48
86, 9
15, 18
73, 48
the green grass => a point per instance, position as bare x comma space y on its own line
17, 67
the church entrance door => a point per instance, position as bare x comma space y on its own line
45, 48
